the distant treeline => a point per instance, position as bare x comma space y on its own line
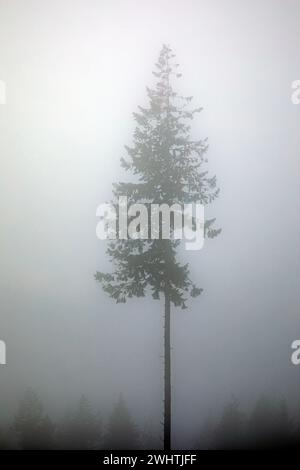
79, 429
268, 425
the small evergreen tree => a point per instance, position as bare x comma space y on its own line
32, 426
229, 433
270, 424
82, 429
87, 426
121, 431
168, 167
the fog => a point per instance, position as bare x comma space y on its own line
74, 73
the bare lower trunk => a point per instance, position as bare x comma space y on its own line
167, 376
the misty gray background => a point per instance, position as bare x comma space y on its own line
75, 71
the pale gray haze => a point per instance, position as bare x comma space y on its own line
74, 73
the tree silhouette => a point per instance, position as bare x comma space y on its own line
229, 433
121, 431
168, 168
82, 429
270, 424
33, 427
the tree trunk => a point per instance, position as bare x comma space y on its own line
167, 375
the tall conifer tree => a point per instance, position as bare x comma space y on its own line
167, 165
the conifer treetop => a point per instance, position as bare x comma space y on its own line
168, 167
